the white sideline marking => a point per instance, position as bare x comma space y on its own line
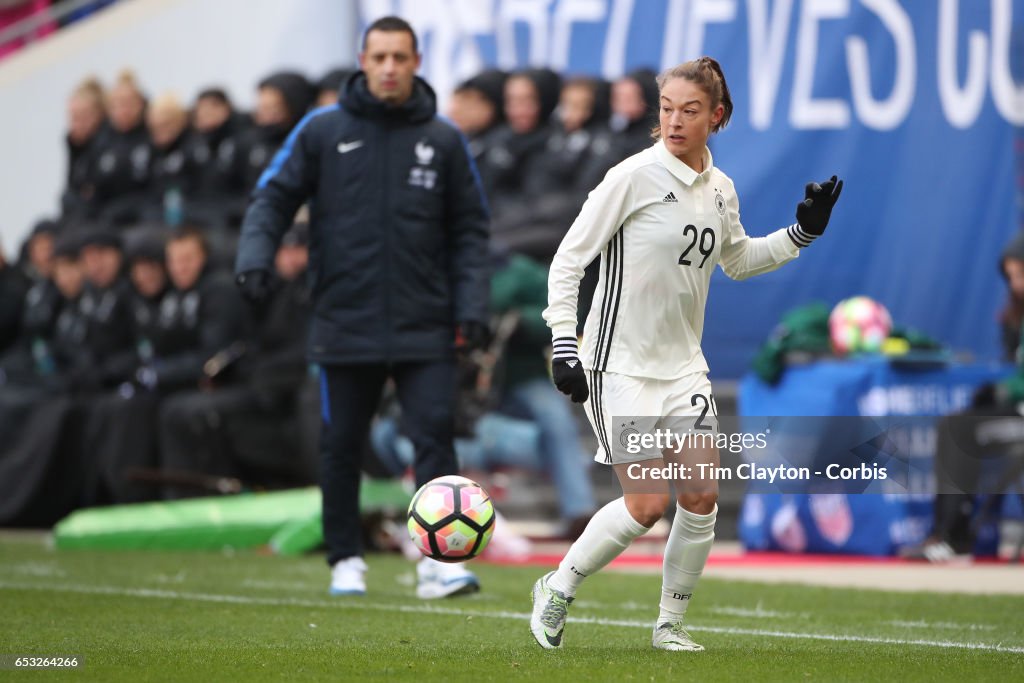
518, 616
921, 623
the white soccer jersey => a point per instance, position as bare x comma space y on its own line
660, 228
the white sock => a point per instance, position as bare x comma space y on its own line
609, 532
686, 553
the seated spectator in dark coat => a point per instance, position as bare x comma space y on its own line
36, 258
282, 101
106, 304
477, 107
87, 131
122, 172
171, 176
511, 157
219, 193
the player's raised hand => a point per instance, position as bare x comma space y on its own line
567, 370
813, 212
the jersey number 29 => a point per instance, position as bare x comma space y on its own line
705, 244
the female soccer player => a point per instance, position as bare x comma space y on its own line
661, 220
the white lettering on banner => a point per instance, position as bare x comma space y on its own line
567, 13
886, 114
1009, 99
534, 13
960, 105
672, 47
702, 13
806, 111
767, 53
613, 63
540, 32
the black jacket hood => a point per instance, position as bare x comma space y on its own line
356, 98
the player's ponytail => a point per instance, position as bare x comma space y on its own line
707, 73
719, 95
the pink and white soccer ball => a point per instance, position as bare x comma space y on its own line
859, 325
451, 519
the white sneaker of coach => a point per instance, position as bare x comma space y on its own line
348, 577
442, 579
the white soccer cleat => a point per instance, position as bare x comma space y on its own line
550, 609
443, 580
672, 636
348, 577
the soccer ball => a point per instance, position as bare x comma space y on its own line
859, 325
451, 519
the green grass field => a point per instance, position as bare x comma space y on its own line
244, 616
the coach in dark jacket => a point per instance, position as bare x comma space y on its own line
398, 265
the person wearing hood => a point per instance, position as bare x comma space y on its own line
123, 165
282, 101
530, 98
398, 263
477, 107
36, 255
634, 111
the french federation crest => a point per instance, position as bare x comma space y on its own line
424, 153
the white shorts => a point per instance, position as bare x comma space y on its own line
623, 409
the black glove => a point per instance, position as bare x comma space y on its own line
567, 370
472, 336
813, 212
255, 285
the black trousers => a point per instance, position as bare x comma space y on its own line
350, 395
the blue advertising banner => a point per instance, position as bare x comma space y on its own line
914, 104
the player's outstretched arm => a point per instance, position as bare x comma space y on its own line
813, 212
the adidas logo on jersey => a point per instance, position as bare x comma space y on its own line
670, 197
571, 363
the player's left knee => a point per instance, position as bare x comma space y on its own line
698, 503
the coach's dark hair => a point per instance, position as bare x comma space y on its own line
391, 23
707, 73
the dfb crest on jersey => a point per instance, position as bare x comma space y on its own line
627, 432
720, 203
